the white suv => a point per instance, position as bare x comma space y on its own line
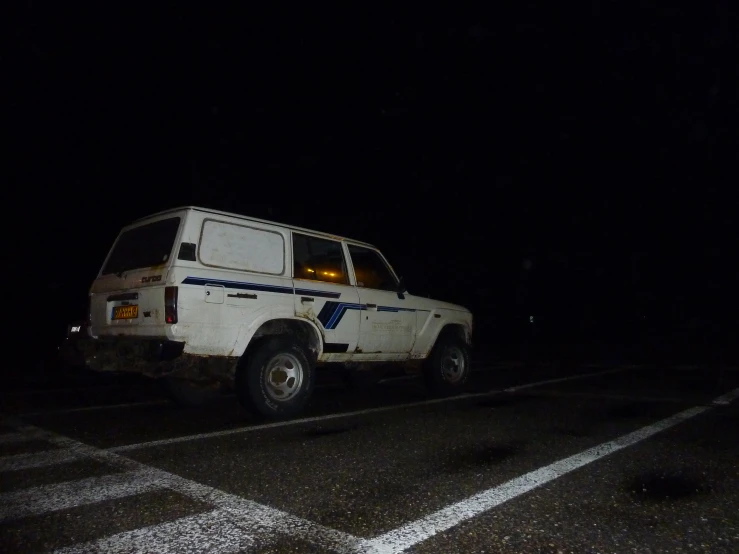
205, 298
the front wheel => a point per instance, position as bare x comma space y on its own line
448, 367
277, 378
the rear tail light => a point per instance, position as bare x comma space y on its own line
170, 304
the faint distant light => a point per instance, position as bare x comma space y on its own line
527, 264
76, 328
531, 319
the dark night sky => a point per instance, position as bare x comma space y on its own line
600, 143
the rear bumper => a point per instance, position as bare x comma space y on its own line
139, 355
155, 357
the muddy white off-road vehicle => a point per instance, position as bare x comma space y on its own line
206, 299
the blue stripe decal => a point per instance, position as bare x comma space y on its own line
339, 313
258, 287
330, 315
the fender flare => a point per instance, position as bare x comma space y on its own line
247, 332
445, 329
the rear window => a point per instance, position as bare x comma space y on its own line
143, 246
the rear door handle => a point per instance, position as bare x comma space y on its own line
243, 295
306, 299
371, 306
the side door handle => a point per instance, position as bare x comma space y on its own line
306, 299
243, 295
371, 306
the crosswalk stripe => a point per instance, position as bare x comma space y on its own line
217, 531
257, 520
62, 496
37, 459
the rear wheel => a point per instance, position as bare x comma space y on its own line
448, 367
276, 379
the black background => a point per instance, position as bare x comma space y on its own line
572, 163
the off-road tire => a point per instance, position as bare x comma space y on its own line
255, 374
438, 370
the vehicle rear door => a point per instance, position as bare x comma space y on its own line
128, 297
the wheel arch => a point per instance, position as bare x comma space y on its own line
303, 330
456, 330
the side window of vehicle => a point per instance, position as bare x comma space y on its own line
370, 269
318, 260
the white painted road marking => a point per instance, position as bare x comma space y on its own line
568, 378
607, 396
237, 517
727, 398
37, 459
97, 408
61, 496
288, 423
410, 534
261, 520
83, 388
214, 532
328, 417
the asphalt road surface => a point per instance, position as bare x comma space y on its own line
534, 458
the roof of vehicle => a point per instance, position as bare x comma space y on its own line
247, 218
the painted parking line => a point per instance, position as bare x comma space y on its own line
262, 521
235, 523
97, 408
410, 534
214, 531
568, 378
291, 422
727, 398
70, 390
61, 496
37, 459
609, 396
328, 417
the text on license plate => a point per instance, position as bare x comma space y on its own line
126, 312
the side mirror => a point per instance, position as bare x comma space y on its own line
401, 286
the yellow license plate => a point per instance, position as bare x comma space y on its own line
126, 312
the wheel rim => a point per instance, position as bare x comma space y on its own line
283, 378
453, 364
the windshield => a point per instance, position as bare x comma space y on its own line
143, 246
